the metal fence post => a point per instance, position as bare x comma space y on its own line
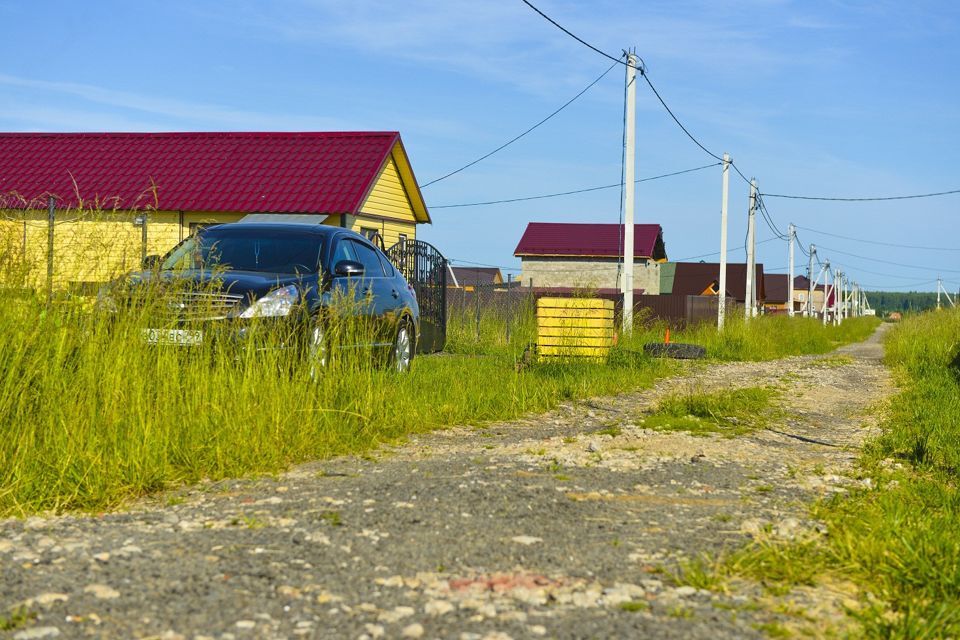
143, 240
51, 217
509, 309
476, 295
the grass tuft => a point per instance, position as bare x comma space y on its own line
728, 412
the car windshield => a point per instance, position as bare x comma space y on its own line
272, 251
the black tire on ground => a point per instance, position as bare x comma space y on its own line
677, 350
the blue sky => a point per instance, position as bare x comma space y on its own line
823, 97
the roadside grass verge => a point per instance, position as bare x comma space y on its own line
772, 337
728, 412
93, 416
896, 540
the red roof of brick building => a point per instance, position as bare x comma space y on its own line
276, 172
589, 240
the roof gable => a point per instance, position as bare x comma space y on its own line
692, 278
275, 172
589, 240
474, 276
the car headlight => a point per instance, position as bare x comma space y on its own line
105, 302
276, 303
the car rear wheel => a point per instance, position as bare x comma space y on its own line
401, 355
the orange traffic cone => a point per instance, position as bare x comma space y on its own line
666, 339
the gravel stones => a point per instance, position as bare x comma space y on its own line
565, 525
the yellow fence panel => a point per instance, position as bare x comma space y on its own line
574, 328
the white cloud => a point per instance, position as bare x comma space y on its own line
168, 113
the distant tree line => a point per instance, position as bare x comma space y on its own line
886, 301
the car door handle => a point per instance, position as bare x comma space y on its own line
395, 293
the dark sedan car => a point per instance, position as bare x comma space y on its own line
228, 275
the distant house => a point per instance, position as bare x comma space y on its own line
702, 279
777, 292
801, 292
141, 193
576, 255
468, 278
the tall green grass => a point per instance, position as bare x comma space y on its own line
92, 415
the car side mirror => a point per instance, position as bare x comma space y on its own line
151, 262
348, 268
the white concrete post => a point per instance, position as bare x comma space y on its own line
628, 204
749, 306
808, 308
722, 280
792, 232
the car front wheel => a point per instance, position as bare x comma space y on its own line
318, 352
402, 354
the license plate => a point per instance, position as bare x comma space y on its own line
180, 337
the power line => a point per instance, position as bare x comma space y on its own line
869, 199
715, 253
642, 70
643, 73
581, 40
568, 193
511, 141
899, 264
877, 242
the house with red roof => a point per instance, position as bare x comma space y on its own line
119, 196
581, 255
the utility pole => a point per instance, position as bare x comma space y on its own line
628, 173
751, 258
827, 290
722, 280
808, 308
939, 286
792, 232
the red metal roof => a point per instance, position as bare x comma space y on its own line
309, 172
578, 239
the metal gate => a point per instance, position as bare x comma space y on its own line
425, 269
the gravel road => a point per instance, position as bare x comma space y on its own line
562, 525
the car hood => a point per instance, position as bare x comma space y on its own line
250, 284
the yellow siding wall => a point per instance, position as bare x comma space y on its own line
92, 247
388, 198
389, 229
88, 247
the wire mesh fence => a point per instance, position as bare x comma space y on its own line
51, 248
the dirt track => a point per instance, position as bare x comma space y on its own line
542, 527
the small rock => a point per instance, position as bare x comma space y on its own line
526, 540
374, 630
685, 591
414, 630
245, 624
45, 542
102, 557
593, 447
537, 630
46, 599
101, 591
6, 546
37, 632
398, 613
437, 608
128, 550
